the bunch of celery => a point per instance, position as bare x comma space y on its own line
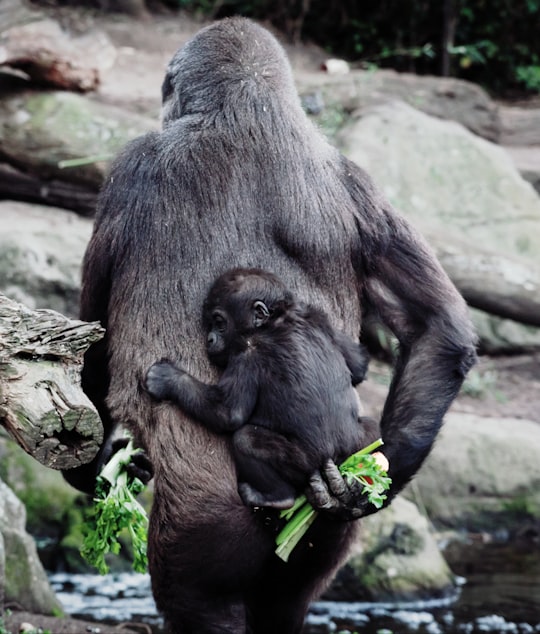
362, 467
115, 508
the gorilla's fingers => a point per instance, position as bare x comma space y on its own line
141, 467
318, 494
332, 494
336, 483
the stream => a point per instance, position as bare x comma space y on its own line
498, 592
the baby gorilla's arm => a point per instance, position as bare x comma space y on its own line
166, 381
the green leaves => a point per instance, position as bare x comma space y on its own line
362, 467
115, 509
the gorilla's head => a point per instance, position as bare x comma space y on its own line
252, 73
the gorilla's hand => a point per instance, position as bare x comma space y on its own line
329, 492
140, 465
84, 478
161, 379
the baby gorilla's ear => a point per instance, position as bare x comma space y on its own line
260, 313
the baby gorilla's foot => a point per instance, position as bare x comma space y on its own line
252, 497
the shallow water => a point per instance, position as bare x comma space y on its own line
499, 592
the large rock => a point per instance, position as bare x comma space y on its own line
41, 250
465, 194
397, 558
40, 130
440, 175
25, 581
445, 98
54, 511
519, 126
520, 134
483, 473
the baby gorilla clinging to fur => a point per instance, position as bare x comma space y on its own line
286, 392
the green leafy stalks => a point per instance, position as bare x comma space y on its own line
115, 508
363, 468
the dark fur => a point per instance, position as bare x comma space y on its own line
239, 177
286, 391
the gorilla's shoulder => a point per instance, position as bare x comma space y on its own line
140, 146
137, 158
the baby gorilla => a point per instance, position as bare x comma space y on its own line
286, 392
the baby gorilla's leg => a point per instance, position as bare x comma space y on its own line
271, 469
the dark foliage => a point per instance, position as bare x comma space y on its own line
492, 42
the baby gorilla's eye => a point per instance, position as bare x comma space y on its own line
219, 322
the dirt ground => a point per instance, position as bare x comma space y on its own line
497, 387
510, 388
18, 622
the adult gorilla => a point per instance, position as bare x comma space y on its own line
239, 177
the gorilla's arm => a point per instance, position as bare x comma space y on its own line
356, 357
421, 306
104, 246
404, 283
94, 376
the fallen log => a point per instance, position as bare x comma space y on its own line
48, 56
42, 405
494, 283
16, 184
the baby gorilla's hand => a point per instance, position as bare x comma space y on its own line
161, 379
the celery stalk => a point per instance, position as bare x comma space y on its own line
302, 515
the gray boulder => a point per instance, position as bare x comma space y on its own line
442, 97
41, 250
41, 130
24, 579
483, 473
465, 194
396, 558
519, 126
520, 135
442, 176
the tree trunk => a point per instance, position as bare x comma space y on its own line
449, 32
42, 405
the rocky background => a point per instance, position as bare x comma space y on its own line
464, 168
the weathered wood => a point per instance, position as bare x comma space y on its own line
493, 283
48, 56
33, 187
42, 405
